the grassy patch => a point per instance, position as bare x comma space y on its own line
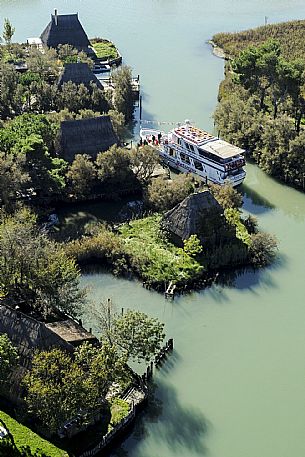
119, 409
152, 256
23, 436
105, 50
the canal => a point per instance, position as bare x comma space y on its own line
235, 386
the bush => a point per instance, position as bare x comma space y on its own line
263, 249
163, 194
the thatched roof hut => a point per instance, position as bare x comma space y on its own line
28, 333
78, 73
86, 136
65, 29
188, 217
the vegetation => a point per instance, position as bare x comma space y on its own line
262, 108
104, 49
59, 387
35, 269
290, 36
24, 439
119, 410
163, 194
160, 260
8, 359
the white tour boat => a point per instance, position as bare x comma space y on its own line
191, 150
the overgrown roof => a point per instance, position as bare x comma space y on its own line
78, 73
186, 218
65, 29
29, 334
86, 136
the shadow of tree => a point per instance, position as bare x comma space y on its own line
166, 420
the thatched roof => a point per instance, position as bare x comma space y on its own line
78, 73
65, 29
28, 333
86, 136
186, 218
71, 332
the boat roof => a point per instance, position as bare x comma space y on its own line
193, 134
222, 149
208, 142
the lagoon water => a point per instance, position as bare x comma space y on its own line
235, 386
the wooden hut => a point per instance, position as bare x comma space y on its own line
198, 214
30, 333
65, 29
78, 73
86, 136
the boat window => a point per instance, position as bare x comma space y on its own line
208, 155
171, 152
198, 165
191, 147
184, 158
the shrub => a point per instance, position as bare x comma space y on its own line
163, 194
263, 249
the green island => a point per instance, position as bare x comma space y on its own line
261, 101
104, 49
62, 134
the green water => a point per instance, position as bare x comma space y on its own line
235, 386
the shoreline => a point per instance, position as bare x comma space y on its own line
217, 50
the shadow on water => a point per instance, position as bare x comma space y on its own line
254, 202
250, 278
167, 421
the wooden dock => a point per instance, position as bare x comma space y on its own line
170, 290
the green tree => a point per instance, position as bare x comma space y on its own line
123, 100
163, 194
59, 386
114, 167
263, 249
8, 358
227, 196
118, 123
35, 269
138, 335
13, 179
81, 174
8, 31
144, 162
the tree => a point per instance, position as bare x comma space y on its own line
8, 31
118, 123
35, 269
134, 334
227, 196
123, 100
82, 174
8, 358
262, 249
13, 179
163, 194
138, 335
59, 386
144, 162
114, 167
